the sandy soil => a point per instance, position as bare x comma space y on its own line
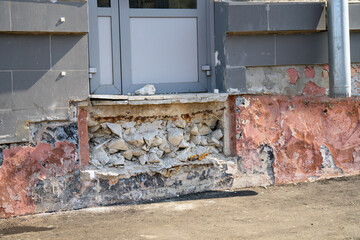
328, 209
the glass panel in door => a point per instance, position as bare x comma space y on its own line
166, 45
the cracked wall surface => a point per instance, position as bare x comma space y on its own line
295, 80
310, 137
118, 154
125, 154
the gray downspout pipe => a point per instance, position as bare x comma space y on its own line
339, 48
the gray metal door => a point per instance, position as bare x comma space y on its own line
162, 42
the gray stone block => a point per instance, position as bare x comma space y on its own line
5, 90
48, 90
4, 15
355, 47
354, 16
264, 17
24, 52
69, 52
236, 78
254, 50
297, 16
44, 16
302, 49
7, 125
247, 17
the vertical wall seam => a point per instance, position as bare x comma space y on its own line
12, 89
50, 60
275, 50
10, 15
267, 16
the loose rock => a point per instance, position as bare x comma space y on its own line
196, 139
116, 161
217, 134
211, 122
137, 152
91, 123
143, 159
136, 140
152, 140
146, 90
175, 136
153, 158
100, 155
181, 123
184, 144
204, 130
127, 125
194, 130
203, 141
128, 155
118, 144
115, 128
164, 146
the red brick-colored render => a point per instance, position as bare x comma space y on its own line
23, 167
296, 128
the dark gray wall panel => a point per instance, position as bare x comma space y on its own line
301, 49
221, 23
297, 16
69, 52
42, 90
44, 16
5, 90
250, 50
247, 17
354, 15
355, 47
4, 15
24, 52
236, 77
8, 124
264, 17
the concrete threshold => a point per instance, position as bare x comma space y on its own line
99, 100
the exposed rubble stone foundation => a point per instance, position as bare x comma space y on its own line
137, 153
122, 153
155, 141
147, 152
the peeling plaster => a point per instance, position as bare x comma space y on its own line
297, 135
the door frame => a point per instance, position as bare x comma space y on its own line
94, 55
122, 55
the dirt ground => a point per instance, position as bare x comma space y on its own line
327, 209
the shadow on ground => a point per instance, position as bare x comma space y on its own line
23, 229
205, 195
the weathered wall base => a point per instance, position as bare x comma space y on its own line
122, 154
296, 80
308, 137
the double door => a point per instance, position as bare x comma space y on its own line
137, 42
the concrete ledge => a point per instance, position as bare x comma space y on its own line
99, 100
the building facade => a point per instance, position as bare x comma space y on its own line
241, 100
